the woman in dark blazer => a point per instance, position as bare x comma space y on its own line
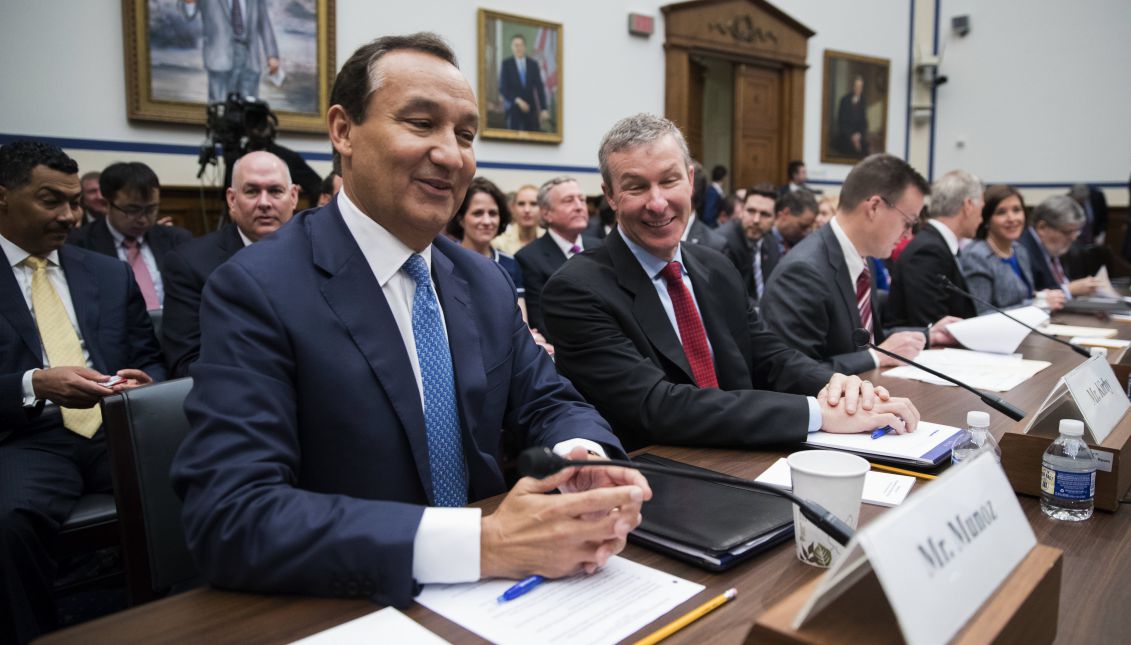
996, 266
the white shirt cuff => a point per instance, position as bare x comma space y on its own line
563, 448
814, 414
446, 546
29, 391
875, 357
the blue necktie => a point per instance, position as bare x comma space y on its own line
441, 419
521, 65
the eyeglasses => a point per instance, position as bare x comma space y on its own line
909, 221
133, 210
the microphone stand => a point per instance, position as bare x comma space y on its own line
950, 286
864, 339
541, 462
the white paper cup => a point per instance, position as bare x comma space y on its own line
834, 480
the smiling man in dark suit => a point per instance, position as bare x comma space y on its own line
357, 370
129, 231
565, 216
660, 335
69, 319
260, 200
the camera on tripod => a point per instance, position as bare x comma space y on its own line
230, 125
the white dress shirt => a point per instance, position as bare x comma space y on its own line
653, 266
564, 244
146, 256
23, 274
446, 546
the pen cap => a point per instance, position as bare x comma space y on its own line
1071, 428
978, 419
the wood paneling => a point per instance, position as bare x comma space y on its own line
757, 132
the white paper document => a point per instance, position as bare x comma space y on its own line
880, 489
386, 626
1104, 288
995, 332
923, 445
981, 370
1076, 330
1107, 343
605, 607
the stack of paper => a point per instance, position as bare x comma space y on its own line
1076, 330
981, 370
387, 625
929, 445
881, 489
605, 607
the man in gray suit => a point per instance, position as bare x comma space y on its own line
235, 31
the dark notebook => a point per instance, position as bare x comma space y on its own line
711, 525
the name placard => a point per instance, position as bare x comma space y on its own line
940, 555
1097, 393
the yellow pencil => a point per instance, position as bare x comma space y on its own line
900, 471
688, 618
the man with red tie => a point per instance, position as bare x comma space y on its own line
662, 338
133, 193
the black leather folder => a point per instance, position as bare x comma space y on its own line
713, 526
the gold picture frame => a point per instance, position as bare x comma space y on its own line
852, 127
529, 108
166, 76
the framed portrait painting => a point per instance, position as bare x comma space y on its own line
854, 112
520, 78
183, 54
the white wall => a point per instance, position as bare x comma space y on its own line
1037, 90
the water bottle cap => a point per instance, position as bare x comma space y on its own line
1072, 427
978, 419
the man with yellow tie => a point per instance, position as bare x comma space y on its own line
70, 320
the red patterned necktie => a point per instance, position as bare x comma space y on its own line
864, 299
1058, 272
691, 330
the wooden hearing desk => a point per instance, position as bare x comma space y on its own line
1095, 600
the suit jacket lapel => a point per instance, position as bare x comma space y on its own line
14, 307
84, 297
101, 240
646, 307
371, 326
229, 239
841, 278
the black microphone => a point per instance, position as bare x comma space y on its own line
863, 340
950, 286
542, 462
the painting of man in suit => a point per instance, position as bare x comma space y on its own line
520, 79
520, 84
193, 52
854, 123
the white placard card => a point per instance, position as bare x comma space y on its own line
1096, 391
940, 555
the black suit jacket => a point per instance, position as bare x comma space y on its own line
187, 268
614, 341
917, 298
810, 301
111, 315
533, 92
539, 260
742, 256
700, 233
1043, 277
161, 239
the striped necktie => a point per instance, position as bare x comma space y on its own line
60, 342
864, 300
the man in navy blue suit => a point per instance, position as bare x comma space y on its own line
358, 370
69, 319
524, 93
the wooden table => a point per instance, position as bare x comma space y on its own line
1095, 600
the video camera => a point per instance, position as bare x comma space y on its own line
230, 124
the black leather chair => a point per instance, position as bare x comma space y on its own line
92, 526
145, 426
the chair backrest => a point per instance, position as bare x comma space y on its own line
145, 426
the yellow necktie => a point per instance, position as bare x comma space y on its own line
60, 342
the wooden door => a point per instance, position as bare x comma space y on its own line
694, 127
758, 129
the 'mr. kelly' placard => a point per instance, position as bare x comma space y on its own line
1097, 393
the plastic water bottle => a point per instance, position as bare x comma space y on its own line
1068, 475
974, 438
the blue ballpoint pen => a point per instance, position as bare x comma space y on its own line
879, 432
520, 588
